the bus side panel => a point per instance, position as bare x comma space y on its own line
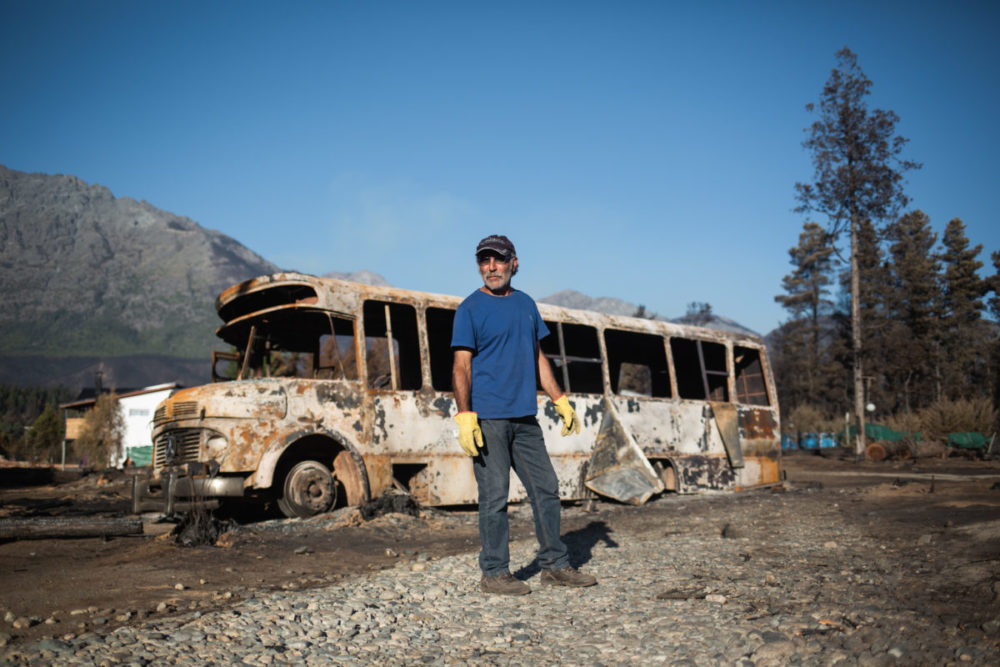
759, 437
671, 428
687, 434
571, 453
416, 432
421, 435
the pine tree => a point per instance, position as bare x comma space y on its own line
45, 437
915, 309
993, 285
963, 336
790, 359
858, 177
805, 298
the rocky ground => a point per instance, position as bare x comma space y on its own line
850, 564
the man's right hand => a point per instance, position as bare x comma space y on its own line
470, 436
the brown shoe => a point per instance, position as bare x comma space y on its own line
568, 576
505, 584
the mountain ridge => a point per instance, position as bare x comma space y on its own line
98, 283
86, 273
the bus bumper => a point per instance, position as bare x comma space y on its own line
181, 489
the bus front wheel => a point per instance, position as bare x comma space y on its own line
309, 489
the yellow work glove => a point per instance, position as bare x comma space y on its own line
571, 423
470, 436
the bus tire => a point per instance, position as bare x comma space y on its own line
307, 490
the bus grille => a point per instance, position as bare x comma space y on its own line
184, 409
177, 446
179, 410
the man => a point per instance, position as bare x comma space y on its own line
495, 343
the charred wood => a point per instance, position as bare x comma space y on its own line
42, 528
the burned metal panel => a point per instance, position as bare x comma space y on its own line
379, 470
618, 469
570, 453
703, 473
419, 430
413, 422
668, 427
759, 425
759, 471
651, 421
256, 399
683, 430
758, 428
446, 479
415, 428
727, 421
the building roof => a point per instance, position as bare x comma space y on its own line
84, 401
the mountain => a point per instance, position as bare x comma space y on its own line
87, 275
366, 277
713, 321
97, 283
612, 306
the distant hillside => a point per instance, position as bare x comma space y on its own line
93, 282
366, 277
612, 306
87, 274
572, 299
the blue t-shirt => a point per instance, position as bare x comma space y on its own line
502, 332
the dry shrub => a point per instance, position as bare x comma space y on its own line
102, 433
810, 419
904, 422
944, 417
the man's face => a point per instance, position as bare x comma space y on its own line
496, 272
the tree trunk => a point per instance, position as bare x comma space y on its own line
995, 358
859, 385
41, 528
880, 450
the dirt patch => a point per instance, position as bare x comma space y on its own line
55, 587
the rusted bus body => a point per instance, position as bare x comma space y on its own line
324, 411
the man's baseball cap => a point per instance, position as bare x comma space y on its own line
497, 243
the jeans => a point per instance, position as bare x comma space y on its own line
516, 443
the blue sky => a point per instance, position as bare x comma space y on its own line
641, 150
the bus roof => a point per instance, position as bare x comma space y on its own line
290, 290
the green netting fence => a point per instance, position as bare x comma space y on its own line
879, 432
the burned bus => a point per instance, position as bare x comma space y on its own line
335, 392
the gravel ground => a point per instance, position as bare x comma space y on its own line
806, 576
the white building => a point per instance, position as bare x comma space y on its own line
137, 409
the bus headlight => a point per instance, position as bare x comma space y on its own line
215, 446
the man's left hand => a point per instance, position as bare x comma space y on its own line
571, 423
